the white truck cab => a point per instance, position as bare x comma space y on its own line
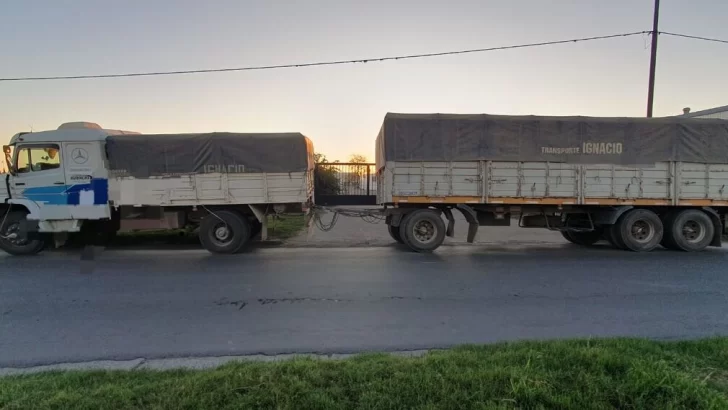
56, 180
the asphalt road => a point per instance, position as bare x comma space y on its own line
155, 304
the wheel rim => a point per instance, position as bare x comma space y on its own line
424, 231
14, 230
642, 231
222, 234
693, 232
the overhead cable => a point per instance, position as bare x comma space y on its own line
321, 63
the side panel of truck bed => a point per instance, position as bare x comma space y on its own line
213, 189
664, 183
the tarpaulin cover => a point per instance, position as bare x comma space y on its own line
586, 140
174, 154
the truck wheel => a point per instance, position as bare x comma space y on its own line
639, 229
609, 236
584, 238
224, 232
423, 230
12, 244
612, 235
667, 222
690, 230
394, 233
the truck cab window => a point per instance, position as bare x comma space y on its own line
23, 162
38, 159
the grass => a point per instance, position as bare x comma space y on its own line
285, 226
597, 374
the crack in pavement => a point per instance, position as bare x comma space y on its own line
241, 303
264, 301
142, 361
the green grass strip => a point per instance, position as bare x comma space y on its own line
595, 374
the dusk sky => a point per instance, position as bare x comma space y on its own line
342, 107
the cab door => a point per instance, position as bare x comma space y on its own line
87, 179
40, 178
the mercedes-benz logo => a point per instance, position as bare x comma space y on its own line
79, 156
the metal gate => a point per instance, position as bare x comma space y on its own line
345, 184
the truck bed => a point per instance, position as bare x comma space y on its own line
499, 159
213, 189
506, 182
210, 169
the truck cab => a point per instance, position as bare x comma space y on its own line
57, 180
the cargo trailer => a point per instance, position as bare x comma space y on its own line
636, 182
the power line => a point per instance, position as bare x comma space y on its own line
694, 37
324, 63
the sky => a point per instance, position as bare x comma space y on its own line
341, 108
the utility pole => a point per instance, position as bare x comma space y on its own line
653, 60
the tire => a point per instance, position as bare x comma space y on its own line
401, 228
394, 233
584, 238
423, 230
566, 236
667, 222
224, 232
16, 246
691, 230
611, 234
608, 235
640, 230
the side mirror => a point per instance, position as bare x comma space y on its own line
8, 151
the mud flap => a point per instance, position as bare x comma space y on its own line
260, 215
450, 232
718, 225
472, 219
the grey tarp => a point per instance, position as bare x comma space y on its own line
626, 141
173, 154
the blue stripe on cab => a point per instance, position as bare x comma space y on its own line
69, 194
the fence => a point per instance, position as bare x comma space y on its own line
345, 184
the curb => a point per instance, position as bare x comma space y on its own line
188, 363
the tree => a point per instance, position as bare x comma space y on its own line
358, 159
326, 178
319, 157
357, 177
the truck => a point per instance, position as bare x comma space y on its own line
81, 179
637, 183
